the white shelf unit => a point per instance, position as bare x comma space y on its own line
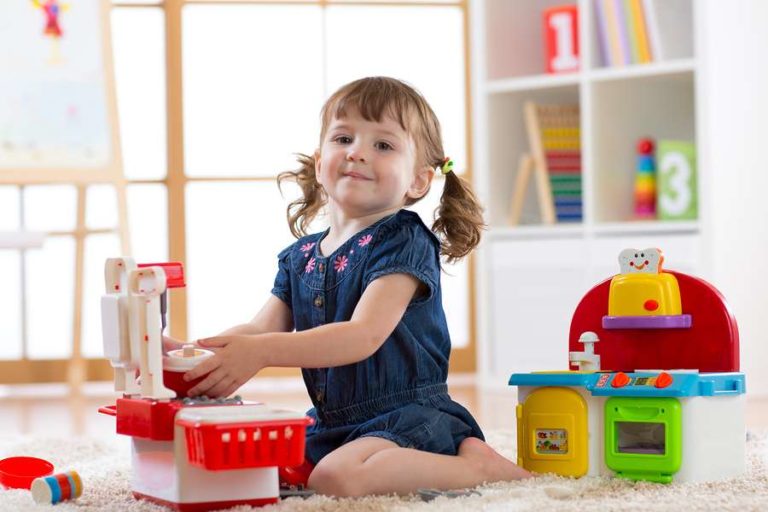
531, 277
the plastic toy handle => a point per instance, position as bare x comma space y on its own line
707, 388
109, 410
724, 392
174, 273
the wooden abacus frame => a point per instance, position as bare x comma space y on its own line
544, 125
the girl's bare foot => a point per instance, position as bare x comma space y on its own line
493, 465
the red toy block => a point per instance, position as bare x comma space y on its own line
645, 146
561, 38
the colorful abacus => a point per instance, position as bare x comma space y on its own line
645, 181
562, 150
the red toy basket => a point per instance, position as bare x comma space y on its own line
253, 444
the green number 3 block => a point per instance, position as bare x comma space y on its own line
677, 192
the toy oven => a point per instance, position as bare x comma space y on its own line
643, 437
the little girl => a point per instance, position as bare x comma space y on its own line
359, 307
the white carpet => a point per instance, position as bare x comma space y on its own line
104, 467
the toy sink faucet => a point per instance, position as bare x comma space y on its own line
586, 360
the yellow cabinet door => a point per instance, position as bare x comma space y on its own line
552, 432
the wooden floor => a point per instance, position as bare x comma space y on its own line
54, 411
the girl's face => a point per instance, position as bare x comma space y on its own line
369, 167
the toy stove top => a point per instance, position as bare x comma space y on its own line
645, 383
155, 419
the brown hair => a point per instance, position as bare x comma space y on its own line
459, 217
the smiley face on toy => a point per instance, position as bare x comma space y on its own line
646, 261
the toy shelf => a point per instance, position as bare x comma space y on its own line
618, 104
604, 229
622, 112
507, 136
646, 227
673, 23
528, 83
531, 275
642, 70
563, 230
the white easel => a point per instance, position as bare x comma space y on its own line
111, 173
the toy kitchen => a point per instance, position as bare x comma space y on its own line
653, 391
189, 454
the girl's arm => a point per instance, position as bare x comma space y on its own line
274, 316
239, 357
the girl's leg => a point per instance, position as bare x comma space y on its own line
372, 465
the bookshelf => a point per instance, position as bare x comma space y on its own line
531, 276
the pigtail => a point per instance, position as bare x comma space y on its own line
301, 212
459, 220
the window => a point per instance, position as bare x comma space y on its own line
201, 159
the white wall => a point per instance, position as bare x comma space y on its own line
734, 97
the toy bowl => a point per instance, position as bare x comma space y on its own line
18, 472
176, 364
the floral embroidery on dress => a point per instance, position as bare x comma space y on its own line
365, 240
310, 266
306, 247
341, 263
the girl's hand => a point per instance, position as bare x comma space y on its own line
236, 360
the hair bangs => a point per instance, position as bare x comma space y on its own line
373, 100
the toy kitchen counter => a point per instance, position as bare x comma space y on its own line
655, 426
660, 425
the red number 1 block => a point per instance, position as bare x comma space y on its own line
561, 37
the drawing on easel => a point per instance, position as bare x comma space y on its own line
554, 159
52, 10
57, 106
58, 115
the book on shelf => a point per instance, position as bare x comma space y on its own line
630, 31
640, 25
672, 22
652, 30
602, 37
622, 29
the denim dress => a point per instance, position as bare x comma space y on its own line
399, 393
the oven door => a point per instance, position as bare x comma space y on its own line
552, 432
643, 437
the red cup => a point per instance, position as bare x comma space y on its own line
18, 472
174, 380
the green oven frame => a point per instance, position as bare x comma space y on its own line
644, 466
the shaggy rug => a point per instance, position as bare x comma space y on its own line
104, 467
